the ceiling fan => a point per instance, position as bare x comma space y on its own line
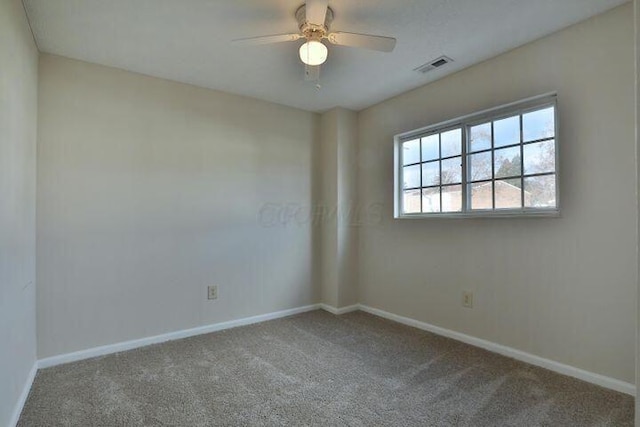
314, 21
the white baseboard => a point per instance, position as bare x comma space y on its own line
561, 368
558, 367
23, 396
333, 310
185, 333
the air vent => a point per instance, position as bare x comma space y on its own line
432, 65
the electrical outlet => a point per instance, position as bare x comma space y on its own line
467, 299
212, 292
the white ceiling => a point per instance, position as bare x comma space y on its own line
190, 41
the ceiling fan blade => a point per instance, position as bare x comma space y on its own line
278, 38
316, 11
311, 72
383, 44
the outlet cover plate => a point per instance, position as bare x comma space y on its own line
467, 299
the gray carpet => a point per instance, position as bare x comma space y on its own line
316, 369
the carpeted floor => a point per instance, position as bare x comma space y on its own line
316, 369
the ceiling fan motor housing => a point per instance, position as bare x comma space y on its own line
311, 30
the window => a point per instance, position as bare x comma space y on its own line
495, 163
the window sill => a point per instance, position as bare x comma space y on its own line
551, 213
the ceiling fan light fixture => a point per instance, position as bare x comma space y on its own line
313, 52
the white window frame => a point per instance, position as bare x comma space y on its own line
464, 122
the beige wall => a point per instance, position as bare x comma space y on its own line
18, 110
561, 288
636, 8
347, 208
328, 195
335, 214
150, 190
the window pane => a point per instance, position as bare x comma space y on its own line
411, 152
508, 193
539, 124
507, 162
503, 162
411, 176
452, 198
540, 157
480, 137
431, 200
540, 191
430, 174
431, 147
451, 143
411, 201
506, 131
452, 171
482, 195
479, 166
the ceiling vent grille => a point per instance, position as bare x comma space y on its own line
432, 65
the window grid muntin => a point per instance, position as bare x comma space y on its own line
421, 178
521, 119
440, 168
499, 148
463, 161
493, 167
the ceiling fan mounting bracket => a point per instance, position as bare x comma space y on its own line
313, 31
